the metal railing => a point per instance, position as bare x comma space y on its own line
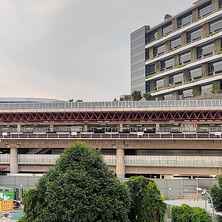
114, 104
173, 136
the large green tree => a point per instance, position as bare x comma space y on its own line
80, 188
146, 202
216, 193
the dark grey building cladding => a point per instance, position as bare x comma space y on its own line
137, 45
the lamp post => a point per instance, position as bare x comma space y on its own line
204, 192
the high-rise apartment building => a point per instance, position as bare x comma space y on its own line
180, 58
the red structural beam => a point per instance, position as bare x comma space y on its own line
139, 116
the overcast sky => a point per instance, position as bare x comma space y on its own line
72, 48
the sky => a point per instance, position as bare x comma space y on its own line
72, 49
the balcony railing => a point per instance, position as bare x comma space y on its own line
107, 105
173, 136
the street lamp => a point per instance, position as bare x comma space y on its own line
204, 192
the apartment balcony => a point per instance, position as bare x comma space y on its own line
184, 28
186, 85
184, 47
182, 67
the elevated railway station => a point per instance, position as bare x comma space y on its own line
161, 139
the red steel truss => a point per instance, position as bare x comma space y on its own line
139, 116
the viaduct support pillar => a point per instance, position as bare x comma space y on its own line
13, 160
120, 162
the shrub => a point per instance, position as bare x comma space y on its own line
147, 204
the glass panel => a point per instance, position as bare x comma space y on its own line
185, 20
172, 96
167, 29
205, 10
175, 43
195, 35
205, 51
160, 83
169, 63
161, 50
188, 93
196, 73
185, 58
150, 69
178, 79
217, 67
206, 90
216, 26
220, 3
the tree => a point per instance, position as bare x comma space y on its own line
216, 193
146, 201
136, 95
186, 213
80, 188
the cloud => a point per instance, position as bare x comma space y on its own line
72, 48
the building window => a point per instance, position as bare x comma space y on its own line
184, 20
175, 43
220, 3
194, 35
207, 90
205, 10
205, 51
172, 96
196, 74
185, 58
162, 65
150, 69
167, 29
216, 26
147, 54
215, 68
188, 93
162, 83
147, 86
159, 50
178, 79
169, 64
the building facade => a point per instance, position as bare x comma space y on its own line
157, 139
182, 57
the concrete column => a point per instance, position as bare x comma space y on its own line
195, 15
157, 127
168, 46
120, 163
51, 127
216, 5
184, 38
13, 160
205, 30
205, 69
174, 24
157, 67
19, 128
193, 54
85, 128
151, 54
217, 46
121, 127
